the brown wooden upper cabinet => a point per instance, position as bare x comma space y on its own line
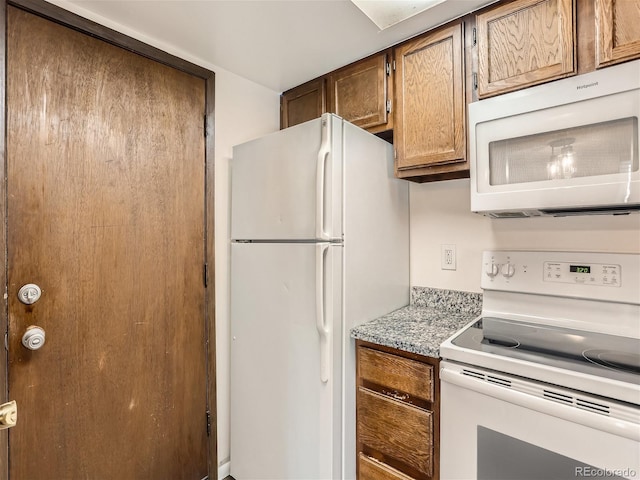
303, 103
524, 43
429, 121
361, 93
617, 31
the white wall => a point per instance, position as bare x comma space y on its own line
440, 215
244, 110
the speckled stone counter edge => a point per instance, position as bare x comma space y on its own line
433, 316
449, 300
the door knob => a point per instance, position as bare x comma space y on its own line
8, 414
33, 338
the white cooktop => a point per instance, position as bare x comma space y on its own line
565, 318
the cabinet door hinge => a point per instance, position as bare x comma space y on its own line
208, 413
388, 106
205, 125
475, 38
388, 68
394, 65
475, 81
205, 275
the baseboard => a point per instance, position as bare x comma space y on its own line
224, 470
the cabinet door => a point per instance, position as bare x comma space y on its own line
359, 93
524, 43
618, 31
430, 106
303, 103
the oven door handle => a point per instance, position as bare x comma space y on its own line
570, 413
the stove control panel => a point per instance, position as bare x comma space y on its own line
595, 276
604, 274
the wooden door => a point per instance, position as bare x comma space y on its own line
105, 212
618, 31
430, 103
360, 93
303, 103
524, 43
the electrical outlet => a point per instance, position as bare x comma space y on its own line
448, 257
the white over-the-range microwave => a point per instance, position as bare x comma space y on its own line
569, 147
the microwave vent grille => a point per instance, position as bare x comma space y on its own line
566, 212
608, 210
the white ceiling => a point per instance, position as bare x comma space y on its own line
276, 43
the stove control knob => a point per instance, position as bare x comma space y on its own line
508, 269
492, 270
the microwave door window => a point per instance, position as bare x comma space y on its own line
598, 149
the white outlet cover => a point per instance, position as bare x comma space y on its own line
448, 257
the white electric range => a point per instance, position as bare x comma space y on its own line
545, 384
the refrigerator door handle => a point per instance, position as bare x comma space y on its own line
323, 154
322, 324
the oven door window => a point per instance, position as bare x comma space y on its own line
501, 457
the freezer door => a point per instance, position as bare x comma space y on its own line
288, 185
285, 361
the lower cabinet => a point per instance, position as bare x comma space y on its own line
397, 414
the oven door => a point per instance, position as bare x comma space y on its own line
494, 426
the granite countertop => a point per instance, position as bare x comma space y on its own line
431, 318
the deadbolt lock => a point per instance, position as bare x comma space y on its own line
8, 415
29, 293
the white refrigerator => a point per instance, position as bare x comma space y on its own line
319, 244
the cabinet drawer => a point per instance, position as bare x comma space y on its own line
369, 469
400, 431
396, 373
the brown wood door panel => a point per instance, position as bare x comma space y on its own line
105, 178
524, 43
430, 105
618, 31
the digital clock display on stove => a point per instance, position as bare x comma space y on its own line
579, 269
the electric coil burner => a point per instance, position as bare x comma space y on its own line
546, 382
